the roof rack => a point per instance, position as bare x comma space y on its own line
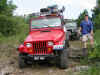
50, 10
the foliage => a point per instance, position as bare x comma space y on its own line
21, 30
12, 28
7, 7
7, 25
97, 21
96, 53
7, 22
96, 10
96, 15
3, 5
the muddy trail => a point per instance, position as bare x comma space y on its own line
9, 63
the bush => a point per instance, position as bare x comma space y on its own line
96, 53
7, 25
97, 22
12, 25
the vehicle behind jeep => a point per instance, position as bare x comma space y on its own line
72, 28
46, 41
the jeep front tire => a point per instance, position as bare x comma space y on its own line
63, 57
21, 62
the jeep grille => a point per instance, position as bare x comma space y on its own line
40, 48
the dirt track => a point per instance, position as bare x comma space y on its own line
9, 63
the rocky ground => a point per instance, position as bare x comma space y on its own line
9, 63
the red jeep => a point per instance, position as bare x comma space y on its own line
46, 39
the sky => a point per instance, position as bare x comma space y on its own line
73, 7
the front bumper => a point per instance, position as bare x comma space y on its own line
38, 57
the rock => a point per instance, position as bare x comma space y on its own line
50, 71
80, 68
21, 71
7, 73
11, 62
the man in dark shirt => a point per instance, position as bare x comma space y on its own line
86, 29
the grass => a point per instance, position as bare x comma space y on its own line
93, 70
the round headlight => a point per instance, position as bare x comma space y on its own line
28, 45
50, 43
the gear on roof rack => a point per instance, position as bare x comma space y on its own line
50, 10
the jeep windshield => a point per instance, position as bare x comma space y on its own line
45, 22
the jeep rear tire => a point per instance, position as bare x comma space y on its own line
63, 57
67, 38
21, 62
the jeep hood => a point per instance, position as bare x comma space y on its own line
45, 35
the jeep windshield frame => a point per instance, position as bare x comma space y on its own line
45, 22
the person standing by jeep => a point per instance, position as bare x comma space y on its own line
86, 29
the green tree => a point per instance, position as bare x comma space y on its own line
7, 21
7, 7
97, 21
3, 5
96, 15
